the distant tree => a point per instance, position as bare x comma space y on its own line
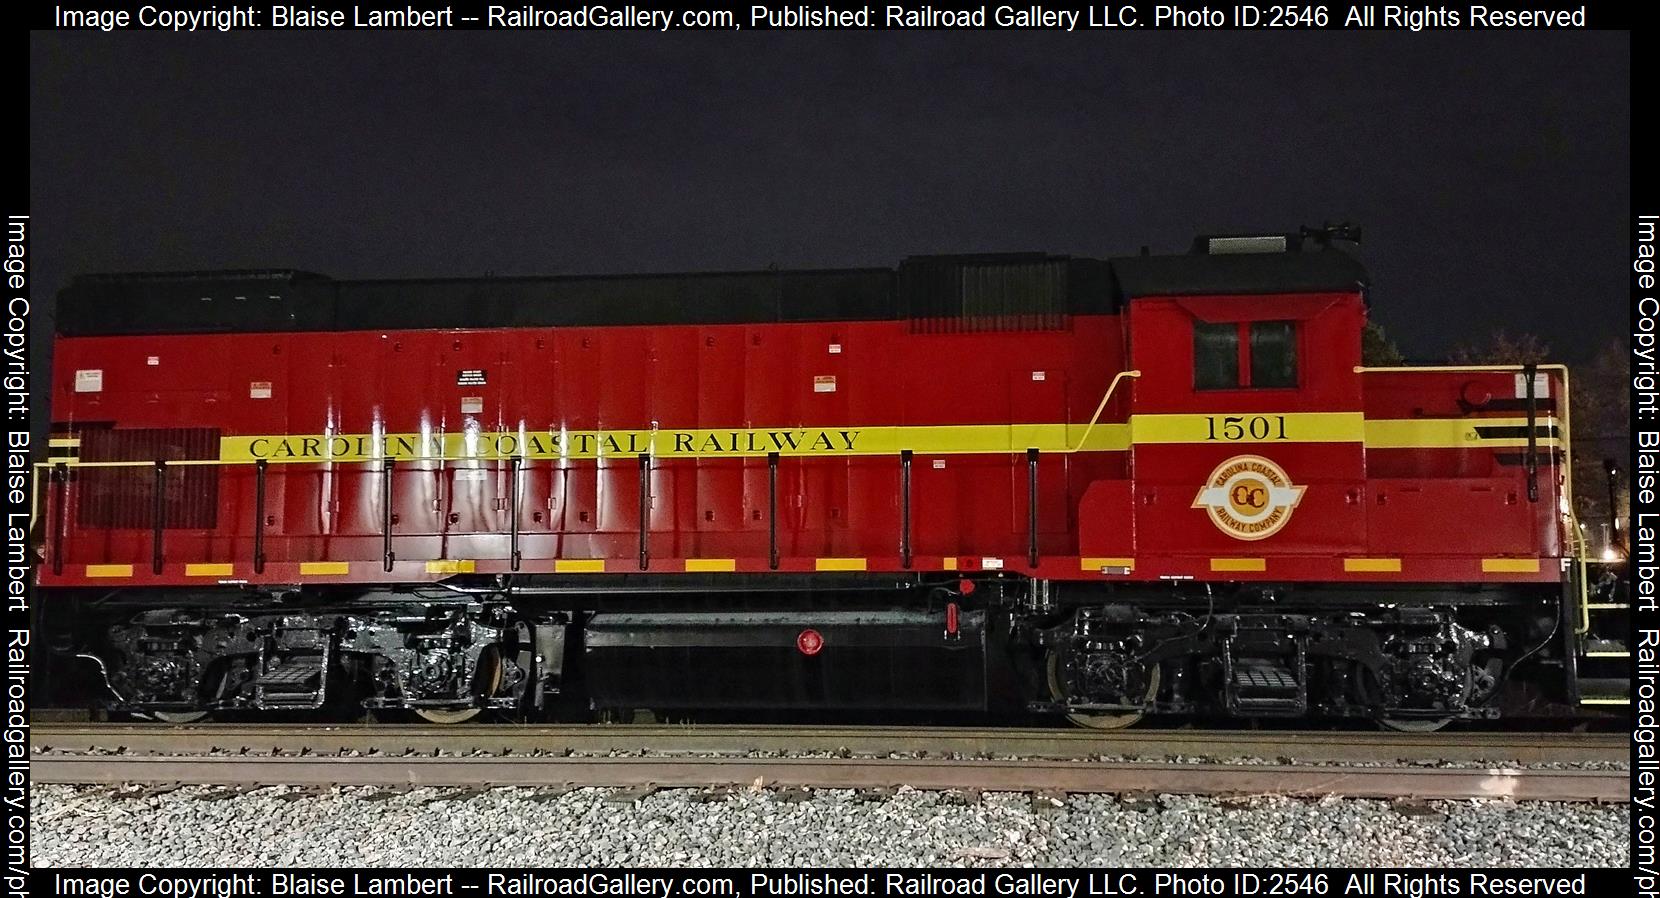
1502, 348
1376, 349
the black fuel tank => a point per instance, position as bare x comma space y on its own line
764, 659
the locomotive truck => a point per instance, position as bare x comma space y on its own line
1156, 484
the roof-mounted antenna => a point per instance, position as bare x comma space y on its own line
1328, 232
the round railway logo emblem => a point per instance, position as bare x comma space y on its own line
809, 643
1249, 497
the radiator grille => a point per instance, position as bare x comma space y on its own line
125, 498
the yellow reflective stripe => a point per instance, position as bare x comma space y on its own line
840, 564
1266, 428
207, 570
732, 443
450, 567
1448, 433
951, 439
321, 568
1372, 565
1096, 564
579, 566
709, 565
109, 570
1510, 565
63, 442
1609, 700
948, 564
1239, 564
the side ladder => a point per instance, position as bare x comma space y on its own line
1601, 626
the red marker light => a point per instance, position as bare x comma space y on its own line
809, 643
951, 620
965, 586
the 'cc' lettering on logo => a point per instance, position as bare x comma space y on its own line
1249, 496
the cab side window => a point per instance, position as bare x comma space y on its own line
1215, 356
1273, 354
1235, 355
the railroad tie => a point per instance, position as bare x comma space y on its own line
1048, 801
546, 794
631, 794
711, 796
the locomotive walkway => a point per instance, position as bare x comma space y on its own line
643, 758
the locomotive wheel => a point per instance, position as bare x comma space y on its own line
445, 717
1413, 724
1099, 720
491, 675
179, 716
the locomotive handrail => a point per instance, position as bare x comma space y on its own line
1111, 387
386, 465
55, 463
1362, 369
1576, 546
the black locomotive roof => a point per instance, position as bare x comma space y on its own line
1198, 274
1009, 290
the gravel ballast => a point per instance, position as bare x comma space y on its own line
209, 826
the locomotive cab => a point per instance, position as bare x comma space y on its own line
1247, 425
1312, 522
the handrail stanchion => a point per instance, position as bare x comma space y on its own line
1528, 373
158, 517
386, 556
259, 516
513, 514
772, 510
645, 509
1032, 507
905, 508
60, 498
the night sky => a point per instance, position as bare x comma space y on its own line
1489, 170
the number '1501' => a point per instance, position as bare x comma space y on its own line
1246, 427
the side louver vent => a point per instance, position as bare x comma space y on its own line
119, 498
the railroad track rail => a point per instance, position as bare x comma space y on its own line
1058, 744
1040, 761
849, 773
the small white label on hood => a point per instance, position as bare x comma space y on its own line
1541, 385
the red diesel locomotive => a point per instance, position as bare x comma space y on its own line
1162, 483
